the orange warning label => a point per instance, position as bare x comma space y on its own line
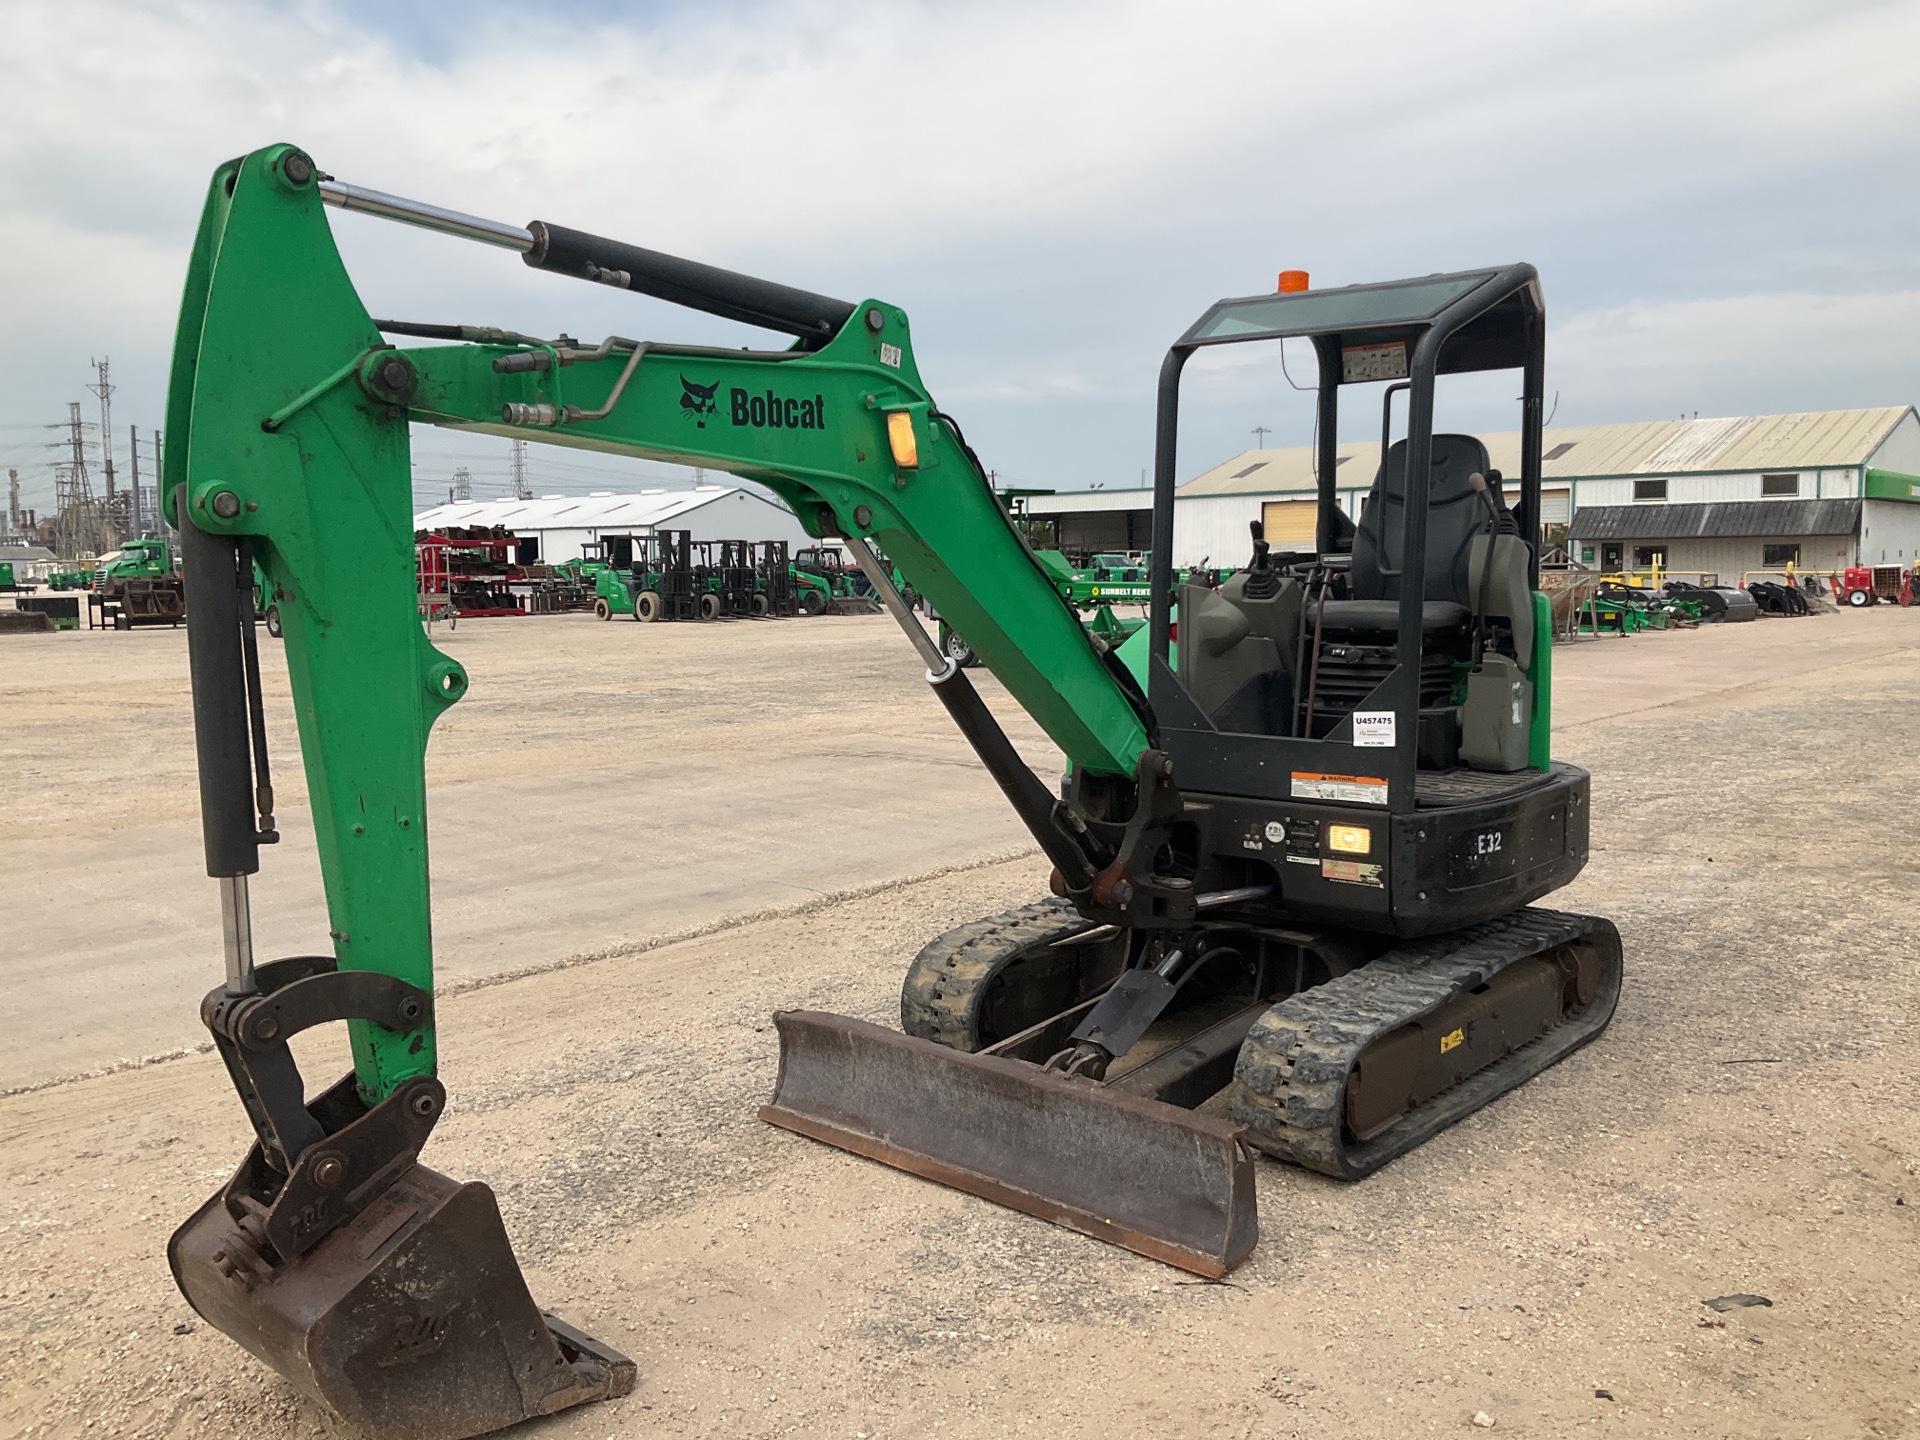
1348, 789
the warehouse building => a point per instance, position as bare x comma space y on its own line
1277, 487
558, 525
1820, 490
1089, 520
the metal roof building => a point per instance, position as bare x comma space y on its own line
1724, 495
1094, 519
560, 524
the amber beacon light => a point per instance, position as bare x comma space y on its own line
1292, 281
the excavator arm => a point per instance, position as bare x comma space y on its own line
288, 421
294, 410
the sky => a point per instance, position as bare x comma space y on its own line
1720, 197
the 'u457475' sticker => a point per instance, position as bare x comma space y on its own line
1349, 789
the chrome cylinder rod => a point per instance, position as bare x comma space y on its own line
427, 217
236, 934
939, 666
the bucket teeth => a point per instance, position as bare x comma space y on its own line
1159, 1180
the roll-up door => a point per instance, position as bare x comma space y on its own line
1556, 508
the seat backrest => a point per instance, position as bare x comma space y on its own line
1455, 514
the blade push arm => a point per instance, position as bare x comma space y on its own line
293, 415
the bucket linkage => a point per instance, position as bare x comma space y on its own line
378, 1287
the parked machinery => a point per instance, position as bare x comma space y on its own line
139, 584
663, 577
829, 585
773, 579
1862, 585
605, 567
723, 578
467, 572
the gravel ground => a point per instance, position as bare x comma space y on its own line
1747, 1125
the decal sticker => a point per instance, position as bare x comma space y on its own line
1352, 872
769, 411
1360, 363
1276, 832
1353, 789
696, 401
890, 355
1373, 729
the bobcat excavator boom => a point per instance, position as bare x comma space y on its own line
1053, 1056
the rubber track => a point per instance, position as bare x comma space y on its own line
1289, 1085
948, 980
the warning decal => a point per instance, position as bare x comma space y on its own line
1349, 789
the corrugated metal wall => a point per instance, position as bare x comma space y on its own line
1890, 533
1697, 489
1212, 529
1900, 450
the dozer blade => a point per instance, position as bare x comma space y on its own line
411, 1320
1157, 1179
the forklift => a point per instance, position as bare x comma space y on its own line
664, 584
773, 580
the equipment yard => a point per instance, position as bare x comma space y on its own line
649, 838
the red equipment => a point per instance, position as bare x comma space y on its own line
1864, 585
461, 576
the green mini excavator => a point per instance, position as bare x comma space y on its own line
1293, 861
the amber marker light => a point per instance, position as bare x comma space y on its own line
1350, 839
906, 449
1292, 282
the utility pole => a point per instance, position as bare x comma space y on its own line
520, 490
13, 501
105, 390
1260, 433
133, 458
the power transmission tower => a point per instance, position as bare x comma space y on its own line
520, 490
462, 485
79, 527
104, 389
1260, 433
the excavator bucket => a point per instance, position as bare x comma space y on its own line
410, 1321
1160, 1180
852, 605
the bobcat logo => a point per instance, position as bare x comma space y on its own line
696, 401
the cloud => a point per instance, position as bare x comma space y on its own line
1054, 192
1737, 354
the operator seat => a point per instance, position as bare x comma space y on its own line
1455, 515
1477, 603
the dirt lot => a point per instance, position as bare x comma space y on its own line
1749, 1124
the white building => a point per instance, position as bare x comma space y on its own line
560, 524
1092, 519
1823, 488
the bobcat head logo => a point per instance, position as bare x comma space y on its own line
696, 401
